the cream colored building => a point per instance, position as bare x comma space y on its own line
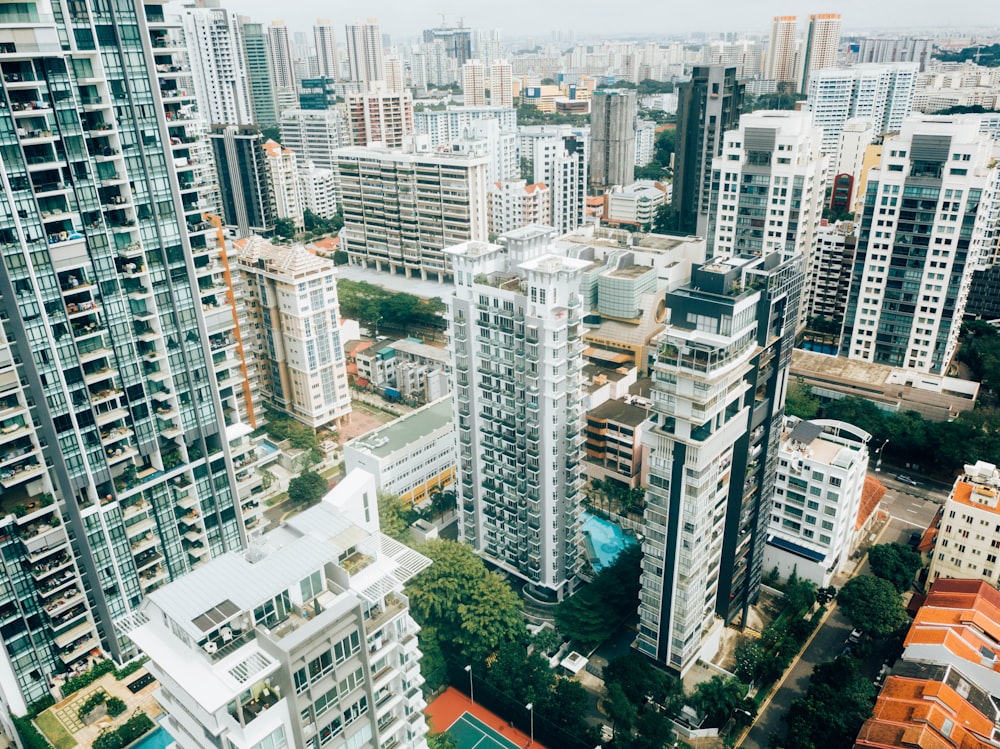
968, 539
282, 167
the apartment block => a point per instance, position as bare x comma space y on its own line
645, 142
832, 265
380, 117
515, 331
290, 317
821, 45
817, 495
445, 125
782, 53
612, 139
474, 83
930, 215
966, 545
719, 381
413, 456
214, 39
315, 134
314, 645
113, 422
325, 39
635, 204
614, 435
501, 84
558, 155
517, 204
245, 185
365, 60
258, 63
318, 188
282, 170
402, 209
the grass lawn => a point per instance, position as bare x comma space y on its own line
55, 731
277, 499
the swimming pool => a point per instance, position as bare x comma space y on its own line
604, 540
158, 739
265, 449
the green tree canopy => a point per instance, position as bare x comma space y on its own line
395, 516
473, 610
594, 613
307, 487
641, 681
620, 709
830, 714
872, 604
284, 227
800, 401
718, 699
896, 563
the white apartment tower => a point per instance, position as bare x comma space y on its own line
782, 55
474, 83
930, 216
501, 84
214, 39
822, 44
771, 189
402, 209
364, 51
517, 204
291, 299
817, 495
558, 155
315, 134
282, 171
326, 49
318, 188
279, 48
394, 80
881, 94
305, 640
516, 327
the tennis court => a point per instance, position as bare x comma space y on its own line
471, 733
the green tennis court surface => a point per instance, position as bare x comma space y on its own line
471, 733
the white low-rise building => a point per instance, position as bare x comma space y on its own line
820, 478
968, 537
303, 640
318, 188
635, 204
412, 456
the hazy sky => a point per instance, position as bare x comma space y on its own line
519, 18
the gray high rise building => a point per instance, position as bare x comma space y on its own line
248, 201
612, 139
707, 106
118, 429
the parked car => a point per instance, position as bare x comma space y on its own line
855, 637
915, 538
904, 479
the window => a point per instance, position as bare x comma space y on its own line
319, 667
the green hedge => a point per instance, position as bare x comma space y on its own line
130, 668
136, 726
30, 736
41, 705
97, 698
116, 706
88, 677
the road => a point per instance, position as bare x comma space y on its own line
908, 513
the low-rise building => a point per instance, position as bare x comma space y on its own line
412, 456
635, 204
893, 389
613, 449
517, 204
408, 368
968, 539
818, 487
302, 640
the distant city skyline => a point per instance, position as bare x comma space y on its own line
521, 18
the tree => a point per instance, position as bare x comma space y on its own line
284, 227
859, 412
748, 656
896, 563
395, 516
800, 401
473, 610
441, 740
620, 708
271, 133
830, 714
593, 613
642, 682
872, 604
443, 501
718, 698
307, 487
546, 641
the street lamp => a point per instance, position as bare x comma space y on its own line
380, 319
878, 463
531, 709
472, 696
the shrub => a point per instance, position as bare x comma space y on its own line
116, 706
125, 734
130, 668
76, 683
41, 705
97, 698
31, 737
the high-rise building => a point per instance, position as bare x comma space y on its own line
612, 139
772, 159
822, 44
291, 298
394, 81
821, 472
282, 169
258, 62
112, 420
645, 142
707, 106
896, 49
244, 181
501, 84
443, 126
326, 49
489, 46
313, 644
517, 204
930, 215
557, 156
830, 269
422, 202
782, 53
279, 48
381, 117
857, 135
315, 134
518, 334
881, 94
719, 381
456, 41
215, 48
318, 187
364, 51
474, 83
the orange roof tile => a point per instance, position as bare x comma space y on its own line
871, 495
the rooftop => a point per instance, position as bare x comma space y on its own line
619, 411
407, 430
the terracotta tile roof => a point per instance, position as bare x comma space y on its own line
871, 495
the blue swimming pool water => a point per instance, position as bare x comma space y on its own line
604, 540
158, 739
266, 448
